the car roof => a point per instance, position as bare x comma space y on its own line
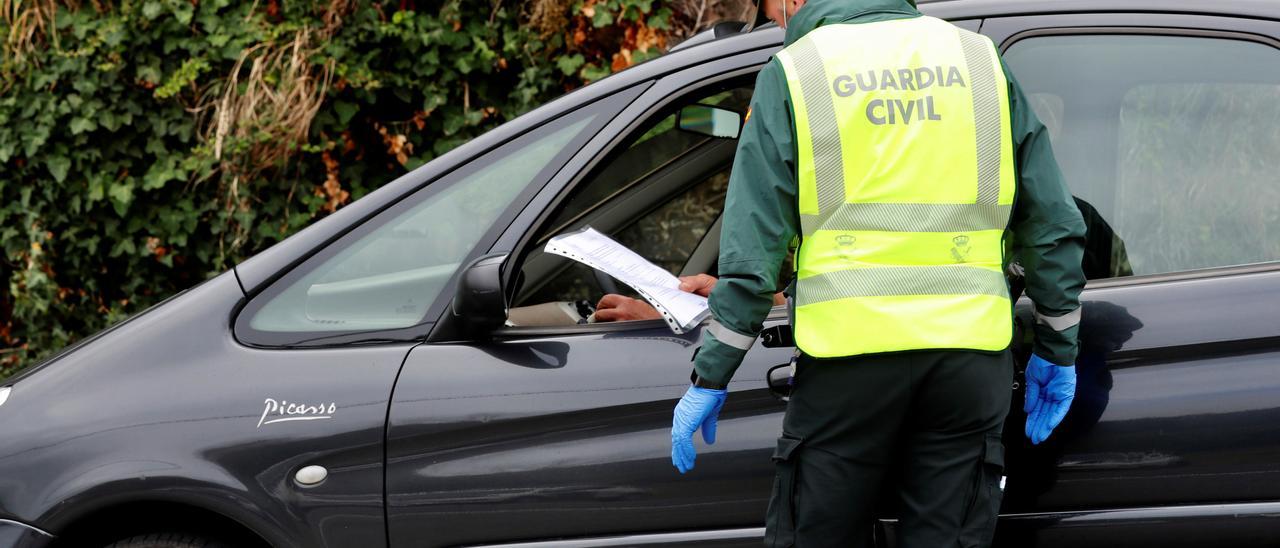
967, 9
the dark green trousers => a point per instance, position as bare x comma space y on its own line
912, 435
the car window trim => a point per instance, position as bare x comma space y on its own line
246, 335
1184, 275
1096, 30
507, 334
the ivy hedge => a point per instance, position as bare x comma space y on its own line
146, 145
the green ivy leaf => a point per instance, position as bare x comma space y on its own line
97, 189
123, 247
183, 11
568, 64
160, 173
595, 72
346, 112
58, 167
152, 9
81, 125
602, 18
661, 20
108, 120
121, 195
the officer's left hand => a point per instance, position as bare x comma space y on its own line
1050, 389
698, 284
699, 408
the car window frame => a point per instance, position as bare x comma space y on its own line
605, 109
1097, 29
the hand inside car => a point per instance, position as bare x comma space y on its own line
617, 308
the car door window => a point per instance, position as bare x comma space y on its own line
1168, 143
387, 276
659, 196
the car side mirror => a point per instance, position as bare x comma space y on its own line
480, 305
711, 121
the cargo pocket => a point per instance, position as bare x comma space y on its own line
980, 519
780, 525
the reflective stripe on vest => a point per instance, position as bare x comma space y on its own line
906, 183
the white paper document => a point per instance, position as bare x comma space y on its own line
682, 310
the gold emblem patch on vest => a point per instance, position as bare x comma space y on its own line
844, 246
961, 250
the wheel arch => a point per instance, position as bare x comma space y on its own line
112, 522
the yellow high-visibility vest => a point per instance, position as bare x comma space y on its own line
906, 182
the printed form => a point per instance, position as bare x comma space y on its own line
682, 310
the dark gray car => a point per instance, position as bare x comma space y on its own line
411, 370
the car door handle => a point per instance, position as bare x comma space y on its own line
779, 379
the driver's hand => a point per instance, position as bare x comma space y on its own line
617, 308
698, 284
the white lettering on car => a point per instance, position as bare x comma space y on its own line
284, 410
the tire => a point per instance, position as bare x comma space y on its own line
168, 540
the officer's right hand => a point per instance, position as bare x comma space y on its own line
699, 408
1050, 389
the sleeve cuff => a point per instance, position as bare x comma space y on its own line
1061, 322
717, 361
1056, 347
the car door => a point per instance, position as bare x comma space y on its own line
1165, 128
551, 434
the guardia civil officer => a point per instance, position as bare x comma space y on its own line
904, 159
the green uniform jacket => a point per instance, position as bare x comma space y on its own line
1046, 232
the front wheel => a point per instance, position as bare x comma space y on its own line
168, 540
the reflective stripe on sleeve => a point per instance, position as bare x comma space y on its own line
730, 337
1058, 323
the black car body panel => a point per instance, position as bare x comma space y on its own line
559, 436
168, 409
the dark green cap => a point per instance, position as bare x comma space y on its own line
760, 19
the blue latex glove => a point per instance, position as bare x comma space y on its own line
1050, 389
698, 408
